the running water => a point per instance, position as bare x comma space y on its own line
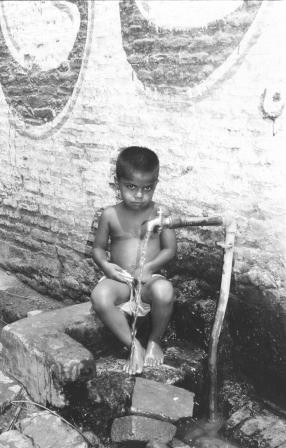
138, 285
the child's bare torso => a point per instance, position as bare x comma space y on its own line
126, 236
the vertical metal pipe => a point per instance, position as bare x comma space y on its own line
220, 312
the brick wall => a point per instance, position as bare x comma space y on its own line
217, 153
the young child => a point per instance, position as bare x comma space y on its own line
137, 171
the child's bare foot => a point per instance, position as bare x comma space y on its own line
135, 362
154, 355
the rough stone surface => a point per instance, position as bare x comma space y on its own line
43, 358
113, 388
193, 315
252, 425
176, 443
235, 395
9, 390
162, 401
15, 439
49, 431
211, 442
192, 362
141, 429
17, 411
192, 429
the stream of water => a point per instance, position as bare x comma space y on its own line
138, 285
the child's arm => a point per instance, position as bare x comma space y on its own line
167, 253
110, 270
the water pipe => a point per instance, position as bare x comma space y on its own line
228, 247
174, 221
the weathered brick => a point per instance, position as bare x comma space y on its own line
141, 429
162, 401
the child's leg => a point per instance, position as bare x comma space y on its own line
160, 293
105, 297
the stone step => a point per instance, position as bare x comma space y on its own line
50, 350
42, 357
135, 428
112, 387
161, 401
110, 391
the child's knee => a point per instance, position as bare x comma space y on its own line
99, 299
163, 292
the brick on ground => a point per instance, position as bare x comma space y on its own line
136, 428
162, 401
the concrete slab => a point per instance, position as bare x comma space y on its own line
42, 357
135, 428
162, 401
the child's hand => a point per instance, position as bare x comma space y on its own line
115, 272
147, 274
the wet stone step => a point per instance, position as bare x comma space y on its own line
161, 401
112, 387
41, 356
135, 428
192, 361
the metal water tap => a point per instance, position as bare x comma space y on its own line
157, 223
175, 221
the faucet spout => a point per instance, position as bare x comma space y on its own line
155, 223
174, 221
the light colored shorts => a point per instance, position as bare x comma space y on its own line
130, 306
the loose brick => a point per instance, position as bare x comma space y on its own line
162, 401
141, 429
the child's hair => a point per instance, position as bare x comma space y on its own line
135, 158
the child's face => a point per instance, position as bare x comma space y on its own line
137, 189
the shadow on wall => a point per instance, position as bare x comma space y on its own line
258, 329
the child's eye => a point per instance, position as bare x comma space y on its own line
148, 187
130, 186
